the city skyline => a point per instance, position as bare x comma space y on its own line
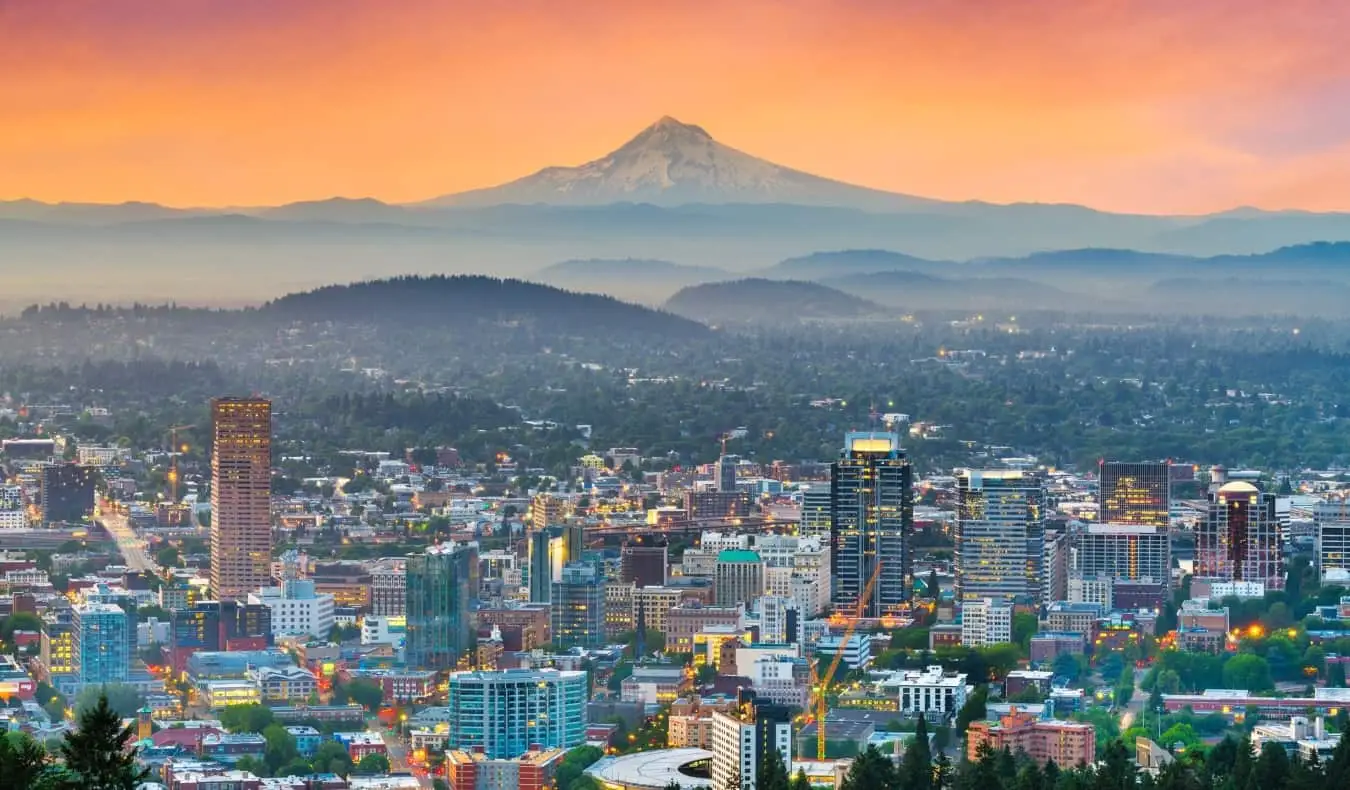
1149, 108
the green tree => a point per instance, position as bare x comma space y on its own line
123, 699
800, 782
246, 718
332, 758
916, 769
870, 771
98, 753
23, 761
281, 748
297, 767
373, 764
973, 710
1024, 626
1247, 671
167, 557
772, 774
366, 693
252, 765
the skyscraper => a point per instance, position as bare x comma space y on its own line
504, 714
1333, 541
441, 584
100, 644
577, 606
66, 492
241, 497
1135, 493
815, 512
724, 473
871, 522
1240, 538
1000, 536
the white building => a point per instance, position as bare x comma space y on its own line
283, 684
985, 622
13, 519
773, 619
930, 691
1236, 589
1095, 589
387, 630
735, 753
780, 679
93, 455
297, 608
857, 650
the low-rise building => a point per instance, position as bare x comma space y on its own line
1069, 744
985, 622
360, 745
931, 691
284, 684
533, 770
654, 686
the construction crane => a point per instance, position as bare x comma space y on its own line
820, 685
174, 450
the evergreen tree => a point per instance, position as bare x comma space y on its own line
942, 772
1117, 770
1272, 767
800, 782
916, 771
24, 762
97, 754
1030, 778
1338, 767
772, 774
871, 770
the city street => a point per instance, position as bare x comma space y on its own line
128, 542
398, 756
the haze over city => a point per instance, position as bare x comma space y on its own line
739, 395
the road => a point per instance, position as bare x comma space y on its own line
1135, 708
398, 756
128, 542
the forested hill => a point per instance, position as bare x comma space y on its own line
444, 301
758, 300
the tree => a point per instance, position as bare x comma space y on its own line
123, 699
373, 764
1024, 626
1247, 671
281, 748
1272, 767
973, 710
246, 718
916, 769
772, 775
297, 767
800, 782
870, 771
366, 693
252, 765
98, 754
934, 586
1066, 665
332, 758
167, 557
23, 761
1336, 675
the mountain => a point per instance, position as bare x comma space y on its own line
90, 213
672, 163
823, 265
471, 300
631, 279
767, 301
917, 291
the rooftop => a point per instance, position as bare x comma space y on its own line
652, 770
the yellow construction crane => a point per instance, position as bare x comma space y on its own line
820, 685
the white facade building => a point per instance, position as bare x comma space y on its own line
297, 608
985, 622
734, 752
930, 691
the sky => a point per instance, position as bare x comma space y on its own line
1151, 106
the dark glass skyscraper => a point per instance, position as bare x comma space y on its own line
441, 585
66, 492
1135, 493
577, 606
871, 522
1000, 536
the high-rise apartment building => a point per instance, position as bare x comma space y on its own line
441, 585
99, 649
1000, 536
871, 523
504, 714
577, 606
742, 739
738, 577
388, 587
1125, 552
1239, 540
815, 519
1135, 493
1333, 541
724, 473
241, 497
65, 493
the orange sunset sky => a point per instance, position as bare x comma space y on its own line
1151, 105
